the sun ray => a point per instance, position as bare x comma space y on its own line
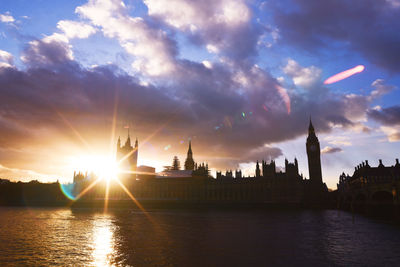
130, 195
84, 191
147, 139
106, 195
73, 129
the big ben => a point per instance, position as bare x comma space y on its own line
314, 156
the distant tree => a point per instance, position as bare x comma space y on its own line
176, 164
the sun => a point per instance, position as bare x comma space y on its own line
103, 166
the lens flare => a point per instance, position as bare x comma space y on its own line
167, 147
283, 93
68, 191
344, 74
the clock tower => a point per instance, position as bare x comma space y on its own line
314, 156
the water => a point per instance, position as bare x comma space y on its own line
38, 236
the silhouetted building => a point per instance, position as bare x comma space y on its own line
195, 183
146, 172
371, 189
127, 156
189, 162
315, 190
79, 177
314, 156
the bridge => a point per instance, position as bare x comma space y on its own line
371, 190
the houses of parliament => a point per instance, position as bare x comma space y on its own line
194, 183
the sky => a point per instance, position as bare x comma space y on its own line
238, 78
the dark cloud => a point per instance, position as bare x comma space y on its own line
230, 113
50, 50
369, 27
388, 116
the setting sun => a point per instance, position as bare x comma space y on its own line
103, 166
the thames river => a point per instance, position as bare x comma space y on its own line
82, 237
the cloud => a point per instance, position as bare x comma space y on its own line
52, 49
154, 51
330, 150
367, 27
387, 116
338, 140
49, 103
302, 76
75, 29
24, 175
222, 26
234, 111
380, 89
6, 59
6, 18
392, 133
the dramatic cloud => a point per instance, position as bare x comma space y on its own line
74, 29
229, 104
53, 49
225, 123
154, 50
222, 26
330, 150
368, 27
387, 116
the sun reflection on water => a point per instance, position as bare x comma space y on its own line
103, 241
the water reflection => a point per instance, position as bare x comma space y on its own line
60, 237
103, 240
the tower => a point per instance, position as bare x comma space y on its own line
314, 156
189, 162
258, 169
127, 155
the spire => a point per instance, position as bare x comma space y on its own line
136, 143
311, 127
189, 162
190, 147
